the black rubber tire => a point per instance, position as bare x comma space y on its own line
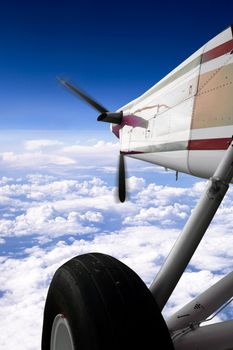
107, 305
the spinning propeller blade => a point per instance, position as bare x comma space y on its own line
121, 179
108, 117
84, 96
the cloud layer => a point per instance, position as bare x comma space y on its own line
47, 218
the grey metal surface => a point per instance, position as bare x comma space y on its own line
196, 226
218, 336
61, 336
204, 305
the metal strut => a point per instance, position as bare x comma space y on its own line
203, 306
194, 229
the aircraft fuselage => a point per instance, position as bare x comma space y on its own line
185, 121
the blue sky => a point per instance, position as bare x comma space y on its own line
58, 165
115, 51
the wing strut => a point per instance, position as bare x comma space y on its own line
195, 228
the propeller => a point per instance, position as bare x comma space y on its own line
105, 116
83, 96
121, 179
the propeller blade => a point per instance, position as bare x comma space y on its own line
105, 116
121, 179
83, 96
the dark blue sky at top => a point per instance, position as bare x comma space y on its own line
113, 50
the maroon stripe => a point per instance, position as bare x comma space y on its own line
116, 130
217, 51
209, 144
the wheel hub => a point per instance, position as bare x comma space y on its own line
61, 337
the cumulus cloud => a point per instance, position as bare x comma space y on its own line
50, 153
48, 204
33, 145
102, 155
102, 147
53, 207
44, 219
89, 216
164, 214
135, 183
24, 282
160, 195
139, 232
33, 159
38, 195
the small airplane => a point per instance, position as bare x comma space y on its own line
185, 123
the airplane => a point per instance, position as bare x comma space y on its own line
184, 123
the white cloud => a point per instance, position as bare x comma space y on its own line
33, 145
5, 180
46, 206
25, 290
44, 219
33, 160
101, 148
101, 155
47, 153
89, 216
164, 214
50, 206
25, 281
161, 195
135, 183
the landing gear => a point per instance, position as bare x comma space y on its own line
95, 302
